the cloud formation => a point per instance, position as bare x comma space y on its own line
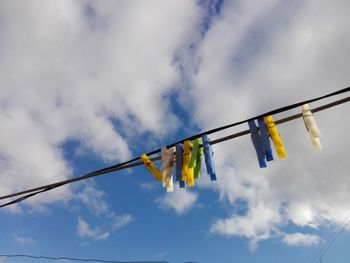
256, 57
87, 72
92, 198
94, 72
97, 206
257, 225
299, 239
121, 221
24, 240
84, 230
181, 200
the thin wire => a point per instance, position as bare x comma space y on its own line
115, 167
125, 165
273, 112
55, 185
76, 259
86, 176
331, 240
287, 119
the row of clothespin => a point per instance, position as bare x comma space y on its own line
188, 161
267, 128
187, 157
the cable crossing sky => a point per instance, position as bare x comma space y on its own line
135, 161
75, 259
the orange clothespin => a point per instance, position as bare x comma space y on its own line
151, 167
275, 137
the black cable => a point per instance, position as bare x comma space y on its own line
219, 140
79, 178
22, 198
129, 163
77, 259
331, 240
273, 112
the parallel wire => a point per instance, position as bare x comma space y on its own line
76, 259
132, 162
55, 185
331, 240
287, 119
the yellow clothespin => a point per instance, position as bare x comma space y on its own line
187, 172
168, 160
311, 126
275, 137
151, 167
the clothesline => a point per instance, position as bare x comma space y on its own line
75, 259
135, 162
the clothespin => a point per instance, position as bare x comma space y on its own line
275, 137
195, 148
179, 164
264, 136
254, 135
151, 167
208, 154
197, 168
187, 172
311, 126
168, 160
196, 158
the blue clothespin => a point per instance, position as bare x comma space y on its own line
254, 134
179, 156
208, 154
265, 140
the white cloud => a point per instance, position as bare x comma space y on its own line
257, 57
258, 224
181, 200
14, 209
101, 73
92, 72
84, 230
24, 240
121, 221
148, 186
93, 199
299, 239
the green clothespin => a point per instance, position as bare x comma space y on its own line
196, 157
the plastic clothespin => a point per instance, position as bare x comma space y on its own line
179, 164
187, 172
265, 141
197, 168
151, 167
275, 137
208, 154
196, 158
311, 126
168, 160
254, 135
194, 152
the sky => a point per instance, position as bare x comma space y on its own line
89, 84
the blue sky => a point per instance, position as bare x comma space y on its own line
88, 84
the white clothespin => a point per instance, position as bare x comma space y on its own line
168, 161
311, 126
